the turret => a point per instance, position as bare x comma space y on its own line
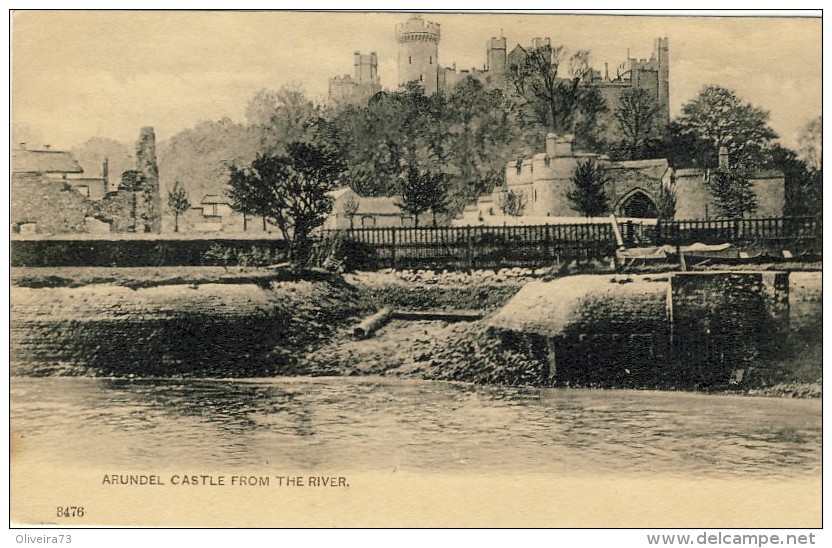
419, 53
496, 59
661, 54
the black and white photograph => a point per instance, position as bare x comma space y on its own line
416, 269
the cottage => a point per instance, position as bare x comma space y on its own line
349, 210
57, 165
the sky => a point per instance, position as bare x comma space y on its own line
83, 74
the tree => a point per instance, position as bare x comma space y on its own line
281, 117
512, 203
200, 157
350, 207
178, 203
716, 118
479, 138
393, 131
588, 195
732, 191
666, 201
291, 190
550, 97
420, 192
804, 185
810, 144
249, 193
635, 116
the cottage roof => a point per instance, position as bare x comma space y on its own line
337, 193
44, 161
381, 205
215, 199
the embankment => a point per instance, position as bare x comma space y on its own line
185, 324
224, 330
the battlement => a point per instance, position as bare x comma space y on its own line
417, 29
497, 43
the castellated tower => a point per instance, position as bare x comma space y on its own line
496, 60
366, 67
419, 53
149, 202
660, 53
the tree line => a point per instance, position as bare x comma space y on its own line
438, 153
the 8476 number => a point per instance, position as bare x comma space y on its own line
70, 511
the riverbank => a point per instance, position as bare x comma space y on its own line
200, 322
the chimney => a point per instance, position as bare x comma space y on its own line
551, 138
723, 158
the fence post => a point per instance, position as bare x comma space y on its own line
393, 247
470, 249
550, 252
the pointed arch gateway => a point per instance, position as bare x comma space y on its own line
637, 203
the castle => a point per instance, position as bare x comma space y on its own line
632, 187
418, 61
358, 88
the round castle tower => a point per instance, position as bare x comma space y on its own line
419, 53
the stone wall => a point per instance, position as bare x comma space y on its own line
685, 329
119, 210
218, 330
722, 322
149, 208
52, 204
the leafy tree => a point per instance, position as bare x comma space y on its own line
733, 192
420, 191
281, 117
178, 203
350, 207
804, 185
635, 118
291, 190
479, 138
249, 193
199, 157
811, 144
666, 201
715, 118
512, 203
552, 89
588, 195
379, 141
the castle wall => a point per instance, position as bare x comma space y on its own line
771, 196
693, 201
552, 181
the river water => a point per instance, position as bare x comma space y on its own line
377, 424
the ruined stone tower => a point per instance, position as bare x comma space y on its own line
149, 201
419, 53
